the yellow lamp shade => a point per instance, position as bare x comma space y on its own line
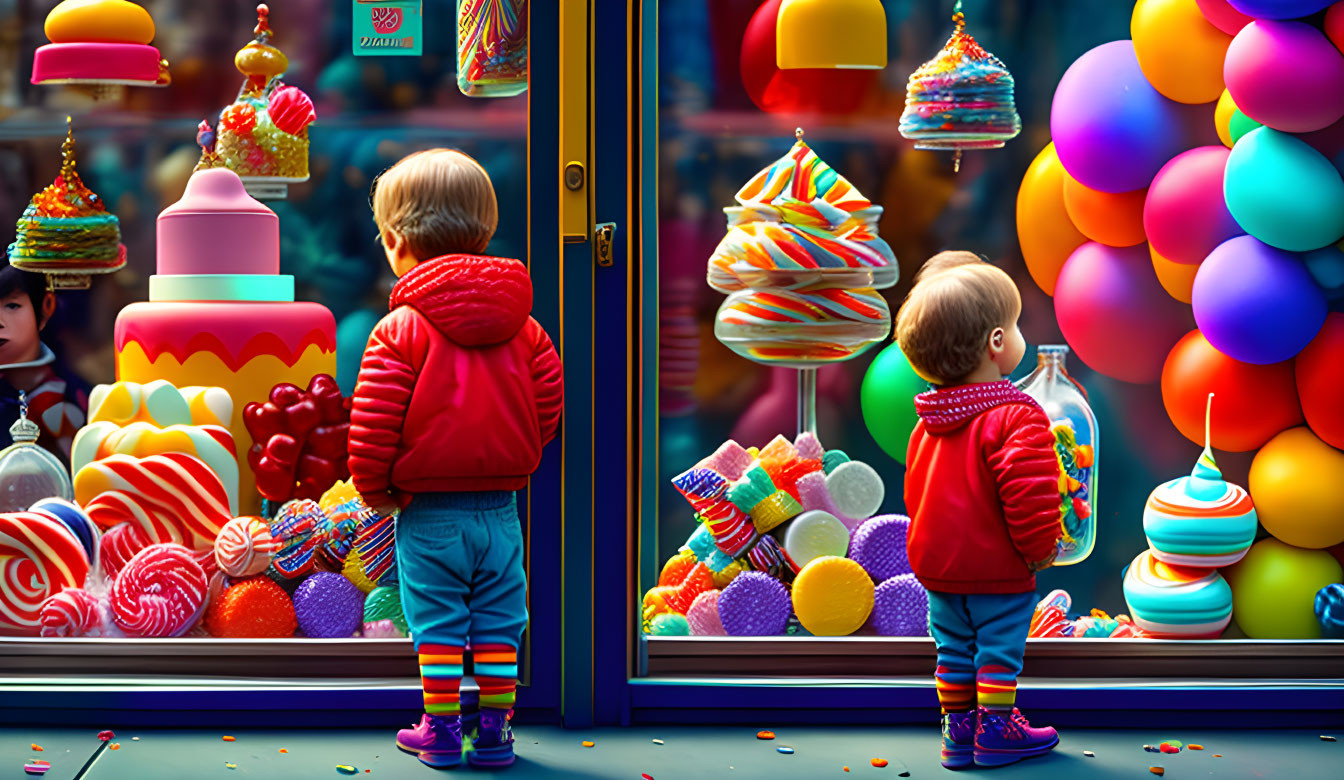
848, 34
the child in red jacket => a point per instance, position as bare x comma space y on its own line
982, 490
458, 391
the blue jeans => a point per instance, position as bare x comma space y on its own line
981, 638
460, 557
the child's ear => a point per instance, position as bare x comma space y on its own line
997, 340
48, 309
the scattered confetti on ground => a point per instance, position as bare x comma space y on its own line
1167, 747
1327, 738
346, 769
229, 739
846, 769
106, 735
1173, 742
1157, 770
284, 750
1193, 746
587, 743
1217, 755
114, 746
657, 742
878, 762
37, 747
135, 739
230, 766
771, 735
1089, 754
37, 767
646, 776
1151, 749
785, 749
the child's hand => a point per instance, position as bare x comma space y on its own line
384, 504
1045, 564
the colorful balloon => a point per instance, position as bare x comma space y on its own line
1114, 313
1255, 303
1184, 214
1334, 25
1283, 192
1114, 219
1295, 483
1223, 16
1286, 75
1112, 130
1044, 230
1181, 53
1326, 266
1279, 9
1178, 279
887, 401
1253, 402
1320, 377
1240, 124
1222, 118
1274, 590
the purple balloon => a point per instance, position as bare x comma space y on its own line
754, 604
1112, 130
328, 606
1285, 75
1280, 9
1256, 303
879, 546
901, 607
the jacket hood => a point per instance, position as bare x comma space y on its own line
473, 300
950, 408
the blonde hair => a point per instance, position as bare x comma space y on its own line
957, 301
440, 201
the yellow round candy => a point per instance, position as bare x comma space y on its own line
99, 21
832, 596
1295, 484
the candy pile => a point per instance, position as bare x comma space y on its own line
786, 531
1051, 619
299, 439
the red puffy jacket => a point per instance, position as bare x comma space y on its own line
982, 489
459, 388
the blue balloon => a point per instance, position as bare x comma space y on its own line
1327, 268
1283, 192
1330, 611
1255, 303
1280, 9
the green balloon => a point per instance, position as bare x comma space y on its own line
887, 400
1283, 192
1240, 125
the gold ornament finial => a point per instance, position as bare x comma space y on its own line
68, 150
263, 28
958, 17
798, 133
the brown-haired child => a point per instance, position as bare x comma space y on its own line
982, 490
459, 389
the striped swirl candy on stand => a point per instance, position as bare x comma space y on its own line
172, 497
301, 527
72, 612
39, 558
244, 547
161, 591
1177, 602
802, 329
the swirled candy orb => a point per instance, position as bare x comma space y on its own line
244, 547
1176, 602
72, 612
385, 604
879, 546
1329, 608
254, 608
901, 607
301, 527
39, 557
754, 604
161, 591
74, 518
328, 606
833, 596
1200, 520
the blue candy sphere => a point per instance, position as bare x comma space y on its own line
1330, 611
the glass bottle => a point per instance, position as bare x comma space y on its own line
29, 473
1075, 430
491, 47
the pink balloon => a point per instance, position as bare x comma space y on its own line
1184, 214
1285, 75
1115, 314
1223, 16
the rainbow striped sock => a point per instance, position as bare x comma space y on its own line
495, 669
441, 677
996, 688
956, 689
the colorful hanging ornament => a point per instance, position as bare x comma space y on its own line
29, 473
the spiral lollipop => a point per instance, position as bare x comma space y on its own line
245, 547
72, 612
161, 591
39, 558
301, 527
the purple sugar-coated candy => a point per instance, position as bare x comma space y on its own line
754, 604
328, 606
901, 607
879, 546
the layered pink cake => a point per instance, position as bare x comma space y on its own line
219, 314
99, 42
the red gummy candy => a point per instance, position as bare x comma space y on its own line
284, 450
285, 395
302, 417
106, 735
330, 441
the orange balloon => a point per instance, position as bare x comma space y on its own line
1111, 218
1044, 230
1180, 53
1178, 279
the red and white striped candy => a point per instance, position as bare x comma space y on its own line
72, 612
245, 547
172, 497
39, 557
159, 592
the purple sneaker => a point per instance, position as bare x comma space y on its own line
493, 745
436, 741
959, 739
1003, 738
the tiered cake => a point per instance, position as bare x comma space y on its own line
219, 313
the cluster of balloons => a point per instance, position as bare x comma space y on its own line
1202, 163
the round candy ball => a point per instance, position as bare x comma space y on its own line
1256, 303
1320, 376
901, 607
161, 591
879, 546
1114, 313
1112, 130
754, 604
385, 604
1286, 75
1251, 403
887, 400
815, 534
244, 547
1283, 192
703, 616
1329, 609
833, 596
1274, 590
1114, 219
669, 624
1222, 15
1178, 279
1296, 484
1180, 52
253, 608
1279, 9
1184, 214
856, 488
328, 606
1222, 118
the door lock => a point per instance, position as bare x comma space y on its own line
604, 236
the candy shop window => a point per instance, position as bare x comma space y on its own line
203, 182
796, 201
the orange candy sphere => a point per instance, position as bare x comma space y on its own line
253, 608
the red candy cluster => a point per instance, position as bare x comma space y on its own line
299, 439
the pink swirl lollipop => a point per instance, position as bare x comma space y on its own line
118, 545
245, 547
39, 557
72, 612
159, 592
